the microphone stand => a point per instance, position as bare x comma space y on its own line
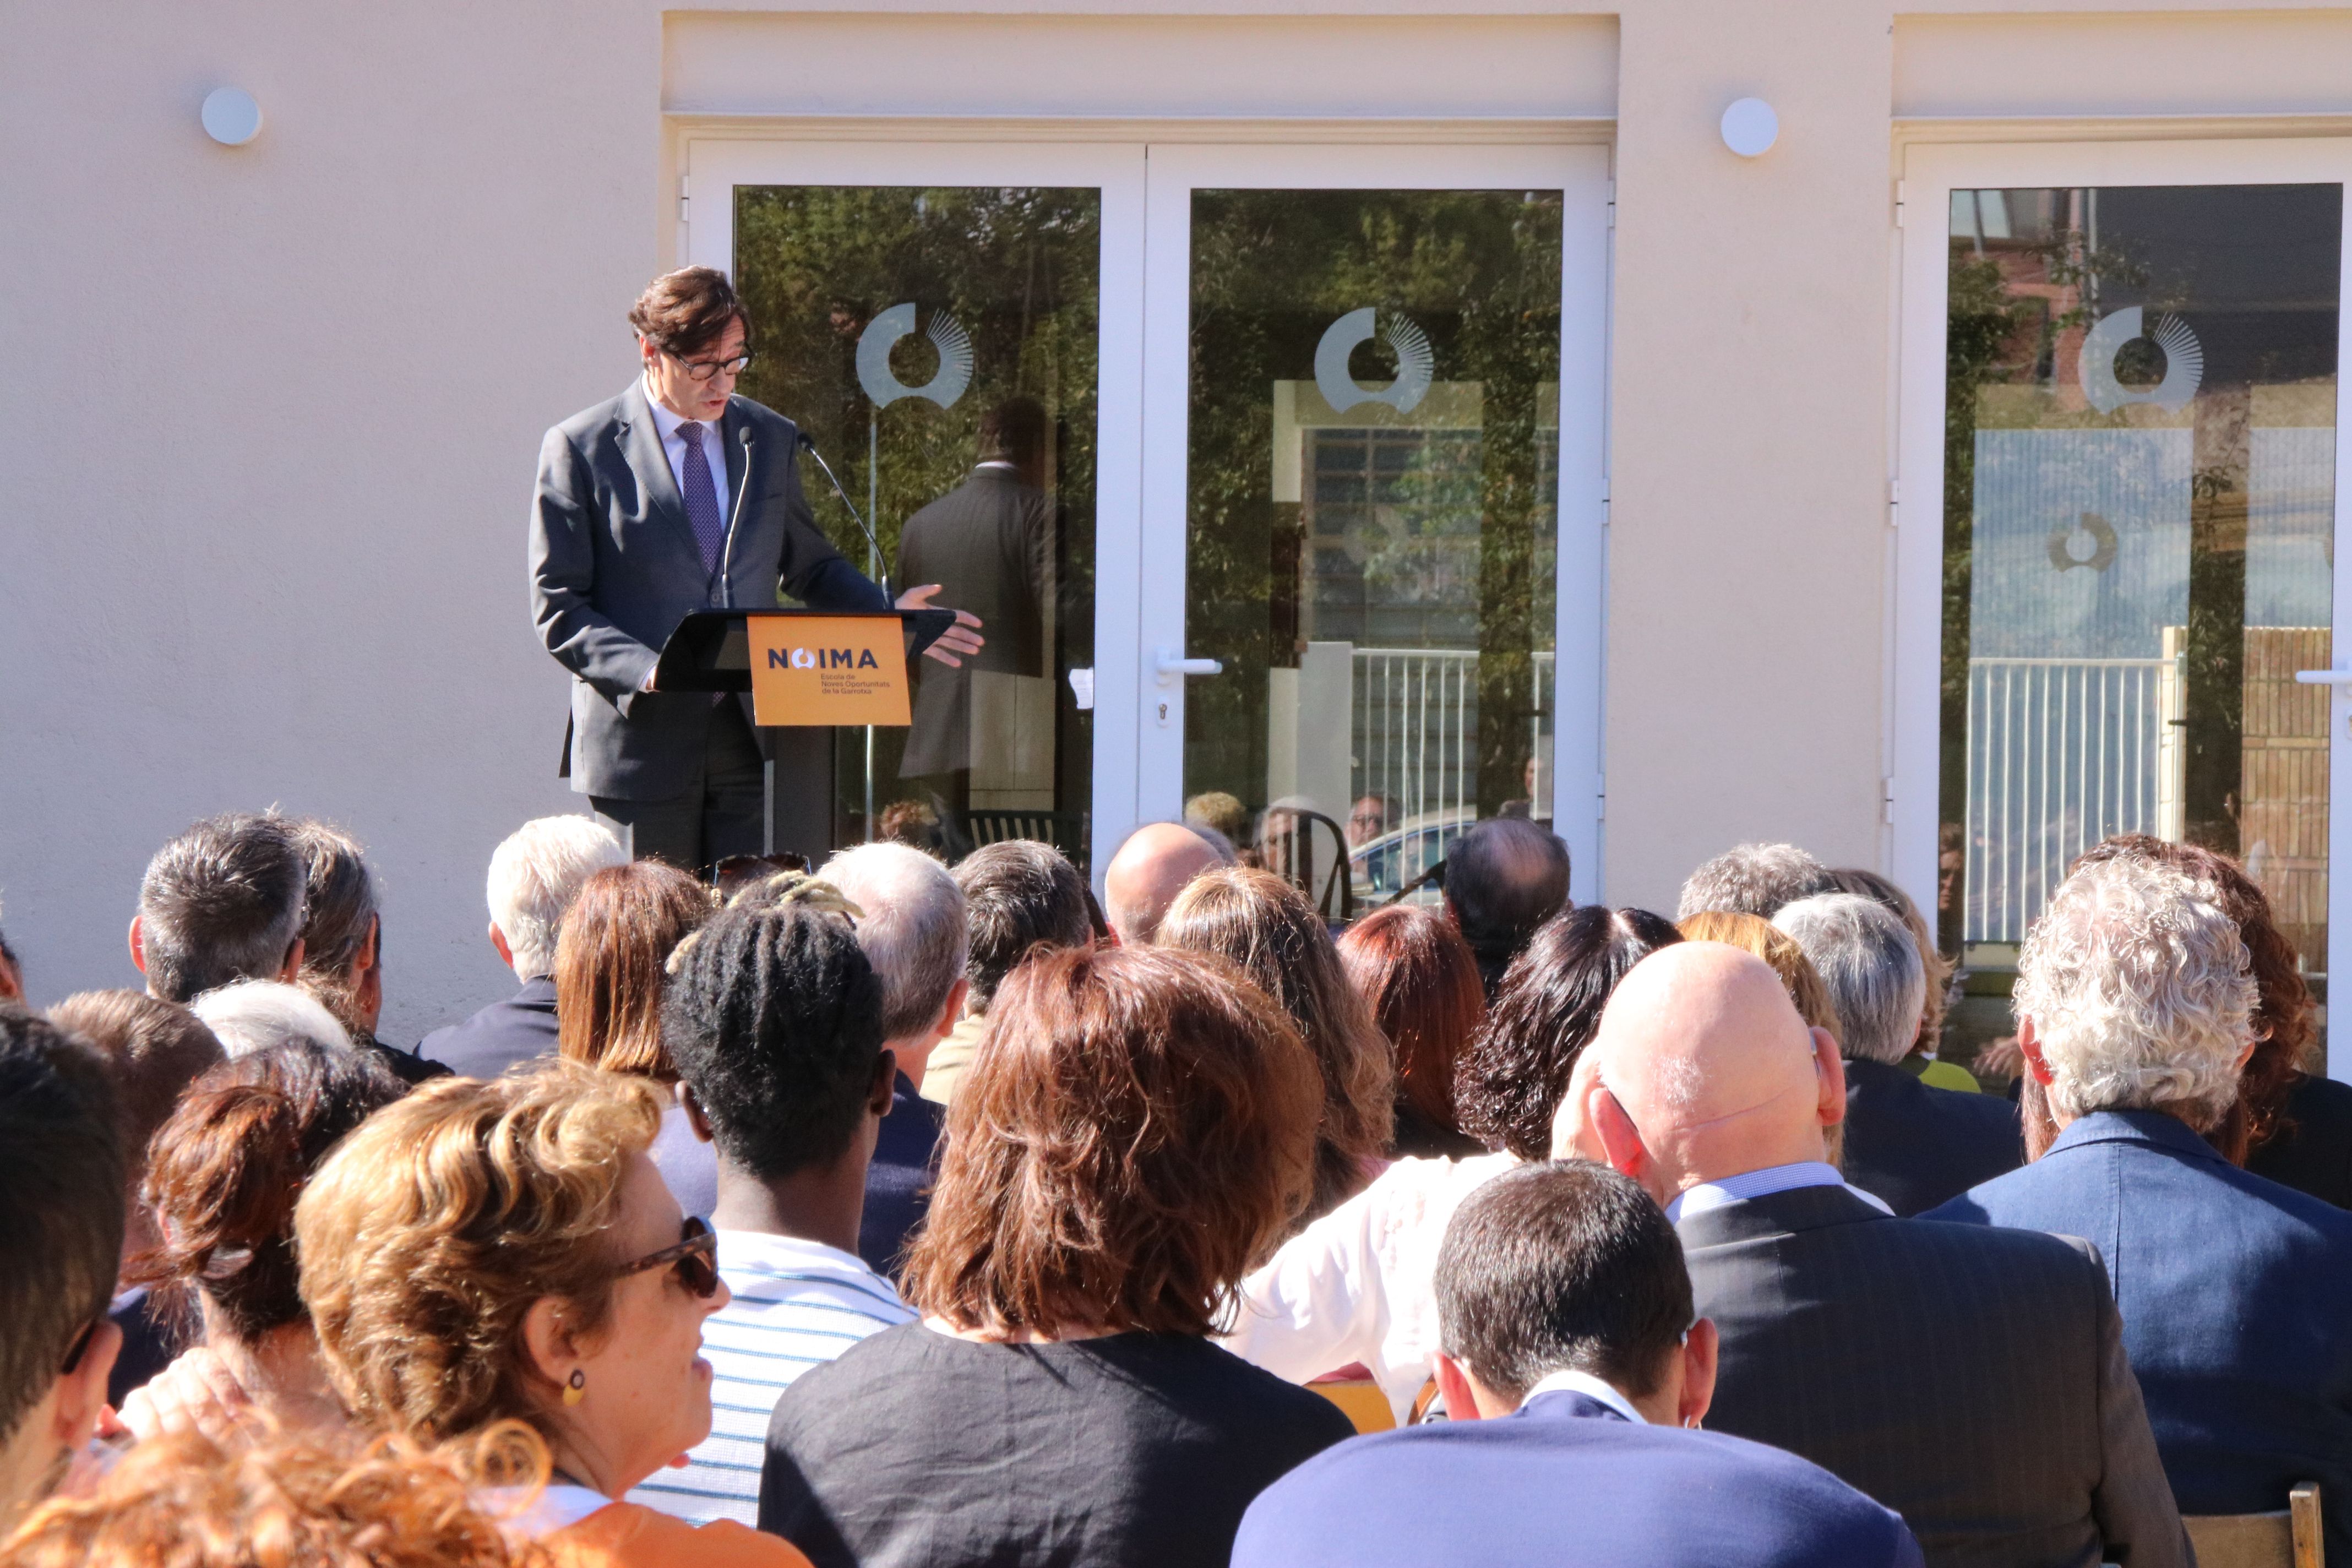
889, 599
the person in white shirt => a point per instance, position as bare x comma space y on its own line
774, 1016
1355, 1286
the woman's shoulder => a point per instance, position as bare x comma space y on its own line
628, 1535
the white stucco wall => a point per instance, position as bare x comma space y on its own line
272, 412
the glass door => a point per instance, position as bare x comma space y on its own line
2136, 565
955, 328
1373, 499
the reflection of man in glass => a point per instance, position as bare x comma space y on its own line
983, 734
1367, 820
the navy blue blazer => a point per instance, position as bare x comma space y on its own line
519, 1029
1912, 1145
614, 566
1565, 1482
2236, 1296
899, 1182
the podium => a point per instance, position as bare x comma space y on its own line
710, 650
822, 670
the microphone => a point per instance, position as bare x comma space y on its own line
734, 514
809, 441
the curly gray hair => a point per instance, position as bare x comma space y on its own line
2140, 992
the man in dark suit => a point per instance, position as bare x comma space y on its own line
1572, 1362
1972, 1379
535, 873
990, 543
1907, 1143
2134, 1006
673, 497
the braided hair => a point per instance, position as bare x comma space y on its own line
774, 1018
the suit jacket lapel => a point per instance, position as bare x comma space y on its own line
641, 444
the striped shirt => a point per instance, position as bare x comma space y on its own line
796, 1303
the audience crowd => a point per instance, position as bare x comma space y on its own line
890, 1214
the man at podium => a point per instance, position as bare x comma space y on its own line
673, 497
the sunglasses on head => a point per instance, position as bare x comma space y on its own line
696, 1259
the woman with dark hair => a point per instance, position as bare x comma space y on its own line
1356, 1287
1417, 976
1517, 1070
1261, 923
610, 962
1139, 1131
223, 1175
2289, 1123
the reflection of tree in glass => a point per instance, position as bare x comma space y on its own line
1480, 273
1018, 269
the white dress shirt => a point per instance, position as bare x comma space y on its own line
1360, 1284
1759, 1183
714, 453
1571, 1381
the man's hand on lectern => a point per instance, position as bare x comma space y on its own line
956, 643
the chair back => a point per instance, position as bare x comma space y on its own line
1360, 1400
2286, 1538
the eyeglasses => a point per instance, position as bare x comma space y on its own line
703, 370
696, 1259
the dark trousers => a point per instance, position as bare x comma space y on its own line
722, 812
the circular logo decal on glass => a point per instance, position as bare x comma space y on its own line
883, 332
1416, 363
2184, 362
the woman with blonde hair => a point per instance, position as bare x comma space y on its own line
485, 1252
1258, 922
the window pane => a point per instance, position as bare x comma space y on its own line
940, 346
1372, 483
2139, 543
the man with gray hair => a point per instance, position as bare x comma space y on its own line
222, 901
1754, 880
535, 874
1972, 1379
1907, 1143
911, 927
2135, 1004
1019, 895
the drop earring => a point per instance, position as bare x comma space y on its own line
575, 1388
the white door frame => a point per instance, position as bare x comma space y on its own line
1581, 173
1930, 174
714, 165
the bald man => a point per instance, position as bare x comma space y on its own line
1144, 878
1980, 1392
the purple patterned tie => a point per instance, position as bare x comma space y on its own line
701, 497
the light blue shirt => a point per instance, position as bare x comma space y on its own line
1569, 1381
1761, 1184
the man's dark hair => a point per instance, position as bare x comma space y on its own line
222, 901
773, 1017
153, 1051
685, 313
1014, 432
61, 1214
1557, 1268
1017, 894
1504, 879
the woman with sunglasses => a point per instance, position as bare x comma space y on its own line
484, 1252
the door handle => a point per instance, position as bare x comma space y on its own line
2324, 677
1173, 665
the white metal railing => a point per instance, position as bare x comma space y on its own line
1415, 728
2061, 755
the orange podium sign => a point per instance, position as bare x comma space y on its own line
828, 670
